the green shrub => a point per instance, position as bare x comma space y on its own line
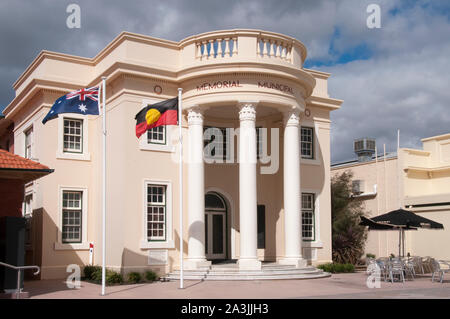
370, 256
335, 268
111, 277
90, 270
151, 275
134, 277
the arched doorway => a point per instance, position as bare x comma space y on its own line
215, 226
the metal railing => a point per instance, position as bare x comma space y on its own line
19, 271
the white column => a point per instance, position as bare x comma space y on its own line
248, 258
291, 191
196, 193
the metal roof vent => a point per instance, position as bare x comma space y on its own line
364, 148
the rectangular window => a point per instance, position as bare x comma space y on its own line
308, 227
73, 136
261, 226
71, 213
216, 146
307, 142
157, 135
156, 212
28, 137
27, 206
259, 142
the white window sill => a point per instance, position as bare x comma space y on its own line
312, 244
306, 161
74, 156
157, 147
151, 245
79, 246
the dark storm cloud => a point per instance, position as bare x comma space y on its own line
402, 83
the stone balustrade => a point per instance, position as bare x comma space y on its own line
241, 45
214, 48
270, 47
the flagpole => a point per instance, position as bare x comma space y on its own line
180, 111
104, 186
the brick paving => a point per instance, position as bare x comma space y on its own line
341, 286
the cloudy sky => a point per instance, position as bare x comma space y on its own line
394, 77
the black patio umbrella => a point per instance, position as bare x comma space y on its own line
401, 220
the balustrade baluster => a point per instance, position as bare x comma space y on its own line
235, 48
205, 50
265, 48
219, 48
227, 47
258, 47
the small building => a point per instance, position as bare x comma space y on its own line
273, 205
16, 175
413, 179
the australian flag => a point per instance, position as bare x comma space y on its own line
84, 101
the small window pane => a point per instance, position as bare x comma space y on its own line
156, 212
73, 135
307, 142
308, 225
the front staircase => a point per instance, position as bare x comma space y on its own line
230, 271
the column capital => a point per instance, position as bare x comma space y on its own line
247, 111
291, 118
195, 116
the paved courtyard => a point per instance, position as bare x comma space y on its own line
348, 286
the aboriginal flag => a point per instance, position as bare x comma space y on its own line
158, 114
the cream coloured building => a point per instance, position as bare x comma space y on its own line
416, 180
246, 206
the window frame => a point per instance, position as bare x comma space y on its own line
68, 209
28, 205
158, 205
259, 142
28, 150
311, 210
73, 151
80, 156
84, 244
157, 142
313, 144
168, 242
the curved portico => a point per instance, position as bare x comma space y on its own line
269, 80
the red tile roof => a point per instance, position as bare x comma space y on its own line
12, 161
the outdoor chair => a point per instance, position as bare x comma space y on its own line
438, 270
426, 262
418, 265
383, 268
408, 267
396, 268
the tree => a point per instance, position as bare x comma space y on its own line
348, 237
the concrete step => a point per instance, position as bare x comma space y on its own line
266, 273
248, 272
250, 277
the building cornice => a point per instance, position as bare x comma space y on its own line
436, 138
324, 102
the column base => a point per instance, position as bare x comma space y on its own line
298, 262
194, 264
249, 264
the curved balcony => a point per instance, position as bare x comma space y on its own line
242, 46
